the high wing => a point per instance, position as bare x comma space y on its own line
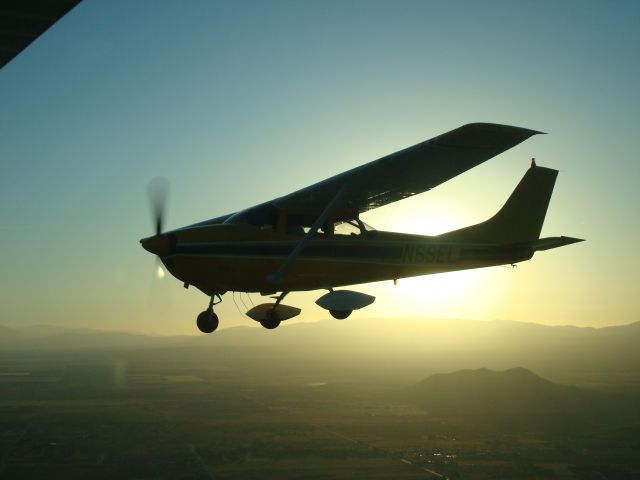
410, 171
22, 21
394, 177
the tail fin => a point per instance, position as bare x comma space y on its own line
520, 219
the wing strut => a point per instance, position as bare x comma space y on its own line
276, 277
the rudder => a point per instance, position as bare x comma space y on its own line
521, 218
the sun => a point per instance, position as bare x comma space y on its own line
440, 290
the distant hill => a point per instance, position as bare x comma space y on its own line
405, 349
53, 337
488, 392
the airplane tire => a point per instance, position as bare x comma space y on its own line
207, 321
270, 324
340, 314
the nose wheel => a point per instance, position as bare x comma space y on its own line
207, 321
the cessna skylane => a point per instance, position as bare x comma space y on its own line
314, 239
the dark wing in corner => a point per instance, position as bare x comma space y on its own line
22, 21
412, 170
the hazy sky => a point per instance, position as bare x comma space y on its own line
240, 102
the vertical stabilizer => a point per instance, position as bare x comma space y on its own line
520, 219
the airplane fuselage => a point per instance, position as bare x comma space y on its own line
221, 258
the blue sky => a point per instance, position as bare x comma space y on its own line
240, 102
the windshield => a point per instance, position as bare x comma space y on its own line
264, 216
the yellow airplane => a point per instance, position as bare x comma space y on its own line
314, 239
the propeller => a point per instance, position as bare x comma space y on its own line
159, 296
158, 192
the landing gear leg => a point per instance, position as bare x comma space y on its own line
272, 321
208, 321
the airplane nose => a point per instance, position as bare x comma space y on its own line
158, 244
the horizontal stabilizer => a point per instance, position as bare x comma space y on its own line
551, 242
269, 311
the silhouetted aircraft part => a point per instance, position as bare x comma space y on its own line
270, 324
552, 242
279, 299
270, 311
23, 21
520, 220
158, 245
158, 193
271, 314
277, 277
413, 170
207, 321
314, 239
341, 303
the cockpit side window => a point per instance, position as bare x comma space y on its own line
347, 228
300, 224
353, 227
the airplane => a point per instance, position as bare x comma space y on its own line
314, 239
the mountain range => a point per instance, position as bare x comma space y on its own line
407, 348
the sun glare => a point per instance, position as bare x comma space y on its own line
431, 226
160, 272
441, 287
413, 218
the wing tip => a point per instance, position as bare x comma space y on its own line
497, 127
485, 135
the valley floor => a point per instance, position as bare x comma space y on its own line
183, 414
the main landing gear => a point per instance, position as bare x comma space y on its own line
273, 321
208, 321
340, 314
